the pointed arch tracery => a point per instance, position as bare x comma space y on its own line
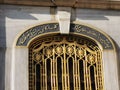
65, 62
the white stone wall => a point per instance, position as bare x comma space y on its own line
13, 21
16, 19
106, 20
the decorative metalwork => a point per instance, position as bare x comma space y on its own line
65, 63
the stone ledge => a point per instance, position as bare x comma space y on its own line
99, 4
95, 4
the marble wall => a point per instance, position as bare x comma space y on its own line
16, 19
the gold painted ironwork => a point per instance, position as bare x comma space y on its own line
64, 62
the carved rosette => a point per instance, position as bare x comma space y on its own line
70, 50
37, 56
59, 50
80, 52
48, 52
91, 58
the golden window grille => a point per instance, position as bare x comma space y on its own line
65, 62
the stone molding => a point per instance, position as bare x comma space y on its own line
26, 36
36, 31
20, 58
96, 4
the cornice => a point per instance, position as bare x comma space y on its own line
95, 4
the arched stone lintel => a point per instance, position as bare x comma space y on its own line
84, 30
109, 58
33, 32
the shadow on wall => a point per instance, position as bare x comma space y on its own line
92, 14
2, 50
118, 60
25, 12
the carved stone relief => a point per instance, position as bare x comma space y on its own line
54, 27
101, 38
35, 31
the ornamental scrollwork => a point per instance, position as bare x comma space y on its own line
32, 32
24, 39
85, 30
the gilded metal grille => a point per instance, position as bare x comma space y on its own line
65, 63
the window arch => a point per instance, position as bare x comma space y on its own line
65, 62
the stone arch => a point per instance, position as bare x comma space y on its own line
103, 40
80, 29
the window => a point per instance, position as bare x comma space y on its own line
65, 62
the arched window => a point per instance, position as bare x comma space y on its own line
65, 62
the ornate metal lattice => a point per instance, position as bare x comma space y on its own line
65, 63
